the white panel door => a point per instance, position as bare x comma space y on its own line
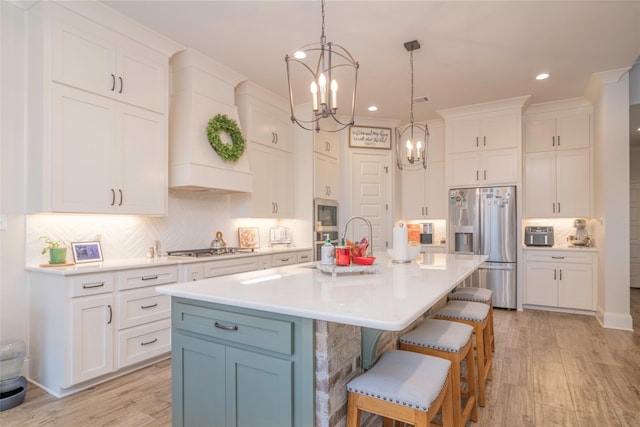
83, 145
541, 283
540, 185
575, 286
92, 323
142, 80
370, 198
573, 183
142, 161
573, 131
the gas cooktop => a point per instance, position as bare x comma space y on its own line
207, 252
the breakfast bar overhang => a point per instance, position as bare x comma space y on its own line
389, 300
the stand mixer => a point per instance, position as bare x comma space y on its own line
582, 236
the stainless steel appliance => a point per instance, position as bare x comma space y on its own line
325, 221
483, 221
538, 236
207, 252
426, 236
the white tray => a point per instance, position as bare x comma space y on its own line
353, 268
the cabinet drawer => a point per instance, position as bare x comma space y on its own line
560, 256
284, 259
260, 332
144, 342
139, 306
230, 266
91, 284
304, 256
131, 279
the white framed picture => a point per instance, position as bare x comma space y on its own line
369, 137
86, 252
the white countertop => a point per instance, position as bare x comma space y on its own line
128, 263
389, 300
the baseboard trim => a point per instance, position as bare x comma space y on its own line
619, 321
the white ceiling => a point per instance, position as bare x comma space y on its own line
472, 52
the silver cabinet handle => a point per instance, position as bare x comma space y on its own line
477, 176
485, 174
144, 307
92, 285
560, 274
553, 141
225, 327
477, 145
557, 257
113, 82
558, 207
149, 277
121, 84
110, 314
121, 199
554, 208
149, 342
484, 141
554, 274
113, 197
558, 140
426, 210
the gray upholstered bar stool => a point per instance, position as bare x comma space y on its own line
476, 315
452, 341
402, 386
482, 295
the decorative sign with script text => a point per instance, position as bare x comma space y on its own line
369, 137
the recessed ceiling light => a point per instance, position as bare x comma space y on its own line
542, 76
372, 108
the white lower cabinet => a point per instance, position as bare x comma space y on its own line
561, 279
91, 337
87, 328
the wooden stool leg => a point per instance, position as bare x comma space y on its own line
353, 412
447, 406
482, 367
488, 353
471, 383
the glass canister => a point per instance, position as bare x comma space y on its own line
343, 255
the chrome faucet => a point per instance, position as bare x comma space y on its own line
344, 232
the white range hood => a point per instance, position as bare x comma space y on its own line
200, 89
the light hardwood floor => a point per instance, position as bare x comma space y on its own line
550, 369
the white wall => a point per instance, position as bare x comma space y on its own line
13, 280
609, 93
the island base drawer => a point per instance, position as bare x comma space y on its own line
261, 332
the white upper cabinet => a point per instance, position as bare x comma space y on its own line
326, 143
558, 178
423, 192
484, 131
562, 133
564, 129
326, 177
484, 143
96, 61
264, 118
97, 140
120, 169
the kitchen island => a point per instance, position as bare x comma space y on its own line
261, 346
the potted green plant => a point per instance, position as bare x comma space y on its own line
57, 253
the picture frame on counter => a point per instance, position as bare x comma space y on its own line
86, 252
249, 237
370, 137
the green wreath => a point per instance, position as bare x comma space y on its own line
221, 122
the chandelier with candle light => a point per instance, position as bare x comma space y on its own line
328, 64
412, 139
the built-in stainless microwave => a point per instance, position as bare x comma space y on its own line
325, 222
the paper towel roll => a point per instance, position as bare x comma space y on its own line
400, 244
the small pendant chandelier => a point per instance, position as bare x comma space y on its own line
412, 139
332, 65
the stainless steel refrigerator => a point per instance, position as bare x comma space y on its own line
483, 221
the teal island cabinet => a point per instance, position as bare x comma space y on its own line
238, 367
276, 347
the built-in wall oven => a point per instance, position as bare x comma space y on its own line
325, 221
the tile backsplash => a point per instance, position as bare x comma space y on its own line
193, 220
